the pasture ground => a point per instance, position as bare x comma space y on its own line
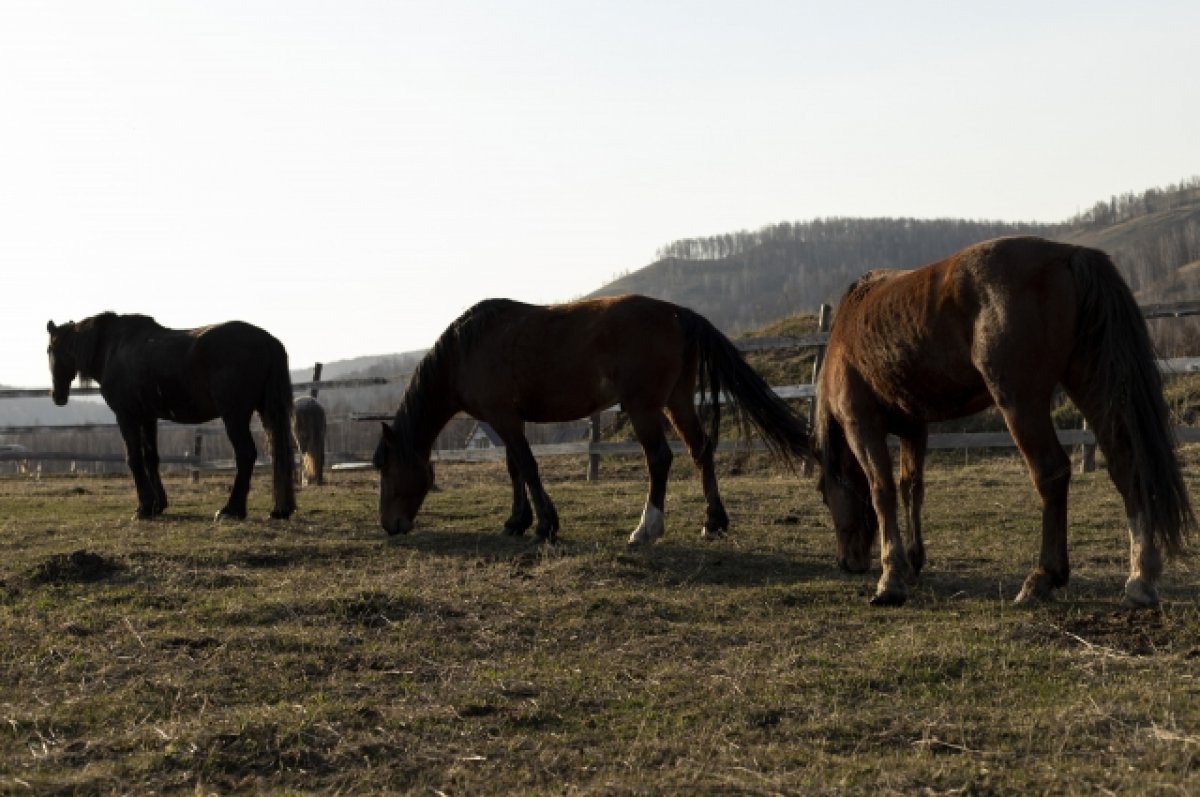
182, 656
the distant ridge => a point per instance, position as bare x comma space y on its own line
744, 280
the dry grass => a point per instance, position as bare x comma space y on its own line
315, 656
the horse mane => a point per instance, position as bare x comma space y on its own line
434, 372
93, 335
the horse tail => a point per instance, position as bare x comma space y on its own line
309, 423
275, 410
1125, 388
723, 373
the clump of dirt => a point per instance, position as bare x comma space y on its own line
79, 567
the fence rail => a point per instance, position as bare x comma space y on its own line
953, 440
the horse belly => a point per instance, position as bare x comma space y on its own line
186, 411
559, 404
930, 396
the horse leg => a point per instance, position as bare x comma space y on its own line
1145, 560
245, 455
649, 429
912, 493
150, 447
521, 517
517, 447
1145, 565
1050, 469
132, 432
870, 448
682, 413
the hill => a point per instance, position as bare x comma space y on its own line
745, 280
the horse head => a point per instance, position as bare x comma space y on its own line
63, 363
404, 481
844, 489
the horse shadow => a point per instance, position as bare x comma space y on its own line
669, 563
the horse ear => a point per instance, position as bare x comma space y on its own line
50, 327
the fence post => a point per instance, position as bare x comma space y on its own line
818, 360
197, 444
1087, 459
312, 391
593, 466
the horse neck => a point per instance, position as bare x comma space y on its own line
91, 348
428, 405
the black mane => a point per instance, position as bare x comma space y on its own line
93, 336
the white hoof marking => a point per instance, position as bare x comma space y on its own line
651, 527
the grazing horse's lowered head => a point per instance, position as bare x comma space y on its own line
403, 484
845, 492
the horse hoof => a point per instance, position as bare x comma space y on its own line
1036, 589
279, 514
712, 534
643, 536
144, 514
889, 597
223, 515
1139, 595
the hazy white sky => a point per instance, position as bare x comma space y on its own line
352, 175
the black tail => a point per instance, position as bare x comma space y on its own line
275, 410
1114, 347
722, 370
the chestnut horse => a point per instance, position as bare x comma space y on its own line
148, 372
506, 363
1000, 323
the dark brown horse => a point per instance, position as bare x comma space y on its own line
1001, 323
147, 372
507, 363
309, 426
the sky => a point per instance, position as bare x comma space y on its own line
353, 175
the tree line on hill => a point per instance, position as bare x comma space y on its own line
744, 280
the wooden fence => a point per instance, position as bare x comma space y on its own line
594, 447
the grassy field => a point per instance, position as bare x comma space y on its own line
183, 656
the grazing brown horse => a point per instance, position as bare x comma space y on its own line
1000, 323
309, 425
506, 363
148, 372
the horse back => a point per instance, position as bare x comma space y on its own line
562, 362
916, 343
191, 375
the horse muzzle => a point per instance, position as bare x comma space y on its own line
397, 525
60, 398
